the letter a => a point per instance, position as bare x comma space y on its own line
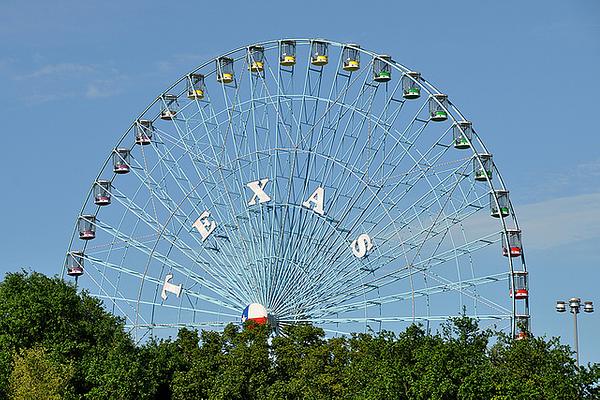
204, 225
257, 188
317, 197
361, 245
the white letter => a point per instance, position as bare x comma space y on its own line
317, 197
204, 226
361, 245
257, 187
169, 287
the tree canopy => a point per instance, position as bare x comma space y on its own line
56, 343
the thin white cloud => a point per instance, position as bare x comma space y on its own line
103, 88
59, 69
58, 81
6, 62
38, 98
574, 179
180, 62
560, 221
94, 92
547, 224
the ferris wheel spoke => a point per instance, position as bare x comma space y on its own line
179, 325
159, 283
252, 230
163, 305
440, 218
422, 266
452, 203
173, 238
329, 104
266, 246
288, 219
190, 193
228, 227
279, 118
427, 291
423, 205
208, 190
467, 289
408, 318
275, 271
275, 101
335, 197
435, 260
366, 207
117, 292
116, 245
302, 226
335, 99
372, 90
332, 127
463, 200
248, 151
152, 253
229, 132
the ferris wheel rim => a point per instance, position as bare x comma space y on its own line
423, 83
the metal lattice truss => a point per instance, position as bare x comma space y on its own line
319, 193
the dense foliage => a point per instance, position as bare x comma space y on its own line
58, 344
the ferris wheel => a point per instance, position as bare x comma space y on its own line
301, 181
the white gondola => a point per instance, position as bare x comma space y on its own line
520, 284
120, 158
143, 132
170, 107
74, 263
102, 192
86, 224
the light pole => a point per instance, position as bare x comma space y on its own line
575, 305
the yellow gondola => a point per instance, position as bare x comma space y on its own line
195, 87
256, 56
224, 70
318, 54
351, 57
287, 53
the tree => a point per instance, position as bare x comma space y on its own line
36, 375
57, 343
536, 368
306, 366
74, 329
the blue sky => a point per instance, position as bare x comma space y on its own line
74, 74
